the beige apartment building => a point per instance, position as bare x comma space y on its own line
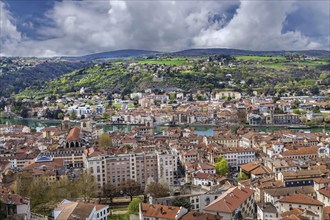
117, 169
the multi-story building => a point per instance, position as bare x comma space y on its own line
13, 206
225, 140
67, 210
116, 169
232, 202
323, 195
80, 111
237, 156
286, 119
73, 157
273, 195
299, 177
303, 202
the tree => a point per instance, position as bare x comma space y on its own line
38, 192
181, 202
86, 186
222, 166
157, 190
190, 99
295, 104
315, 90
316, 109
105, 140
110, 191
105, 116
242, 176
278, 111
133, 207
131, 188
73, 115
24, 112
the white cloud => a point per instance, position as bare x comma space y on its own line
9, 36
82, 27
258, 26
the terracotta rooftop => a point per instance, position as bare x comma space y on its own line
301, 199
325, 192
249, 166
301, 151
76, 210
192, 152
9, 198
159, 211
293, 214
230, 200
206, 166
322, 180
74, 134
326, 213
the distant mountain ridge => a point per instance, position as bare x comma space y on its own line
196, 52
224, 51
114, 54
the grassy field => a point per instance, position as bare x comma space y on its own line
117, 106
118, 217
172, 62
130, 106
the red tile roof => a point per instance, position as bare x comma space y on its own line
74, 134
230, 200
325, 192
159, 211
301, 199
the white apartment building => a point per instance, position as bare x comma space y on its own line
116, 169
238, 156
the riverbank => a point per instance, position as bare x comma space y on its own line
199, 129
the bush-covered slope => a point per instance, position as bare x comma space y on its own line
15, 78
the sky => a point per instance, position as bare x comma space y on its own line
79, 27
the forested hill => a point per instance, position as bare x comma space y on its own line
267, 75
16, 74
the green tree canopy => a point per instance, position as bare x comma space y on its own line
242, 176
181, 202
133, 207
222, 166
105, 140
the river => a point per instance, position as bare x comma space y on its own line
199, 130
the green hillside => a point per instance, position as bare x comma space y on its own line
262, 74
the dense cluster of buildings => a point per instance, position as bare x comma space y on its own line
272, 175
